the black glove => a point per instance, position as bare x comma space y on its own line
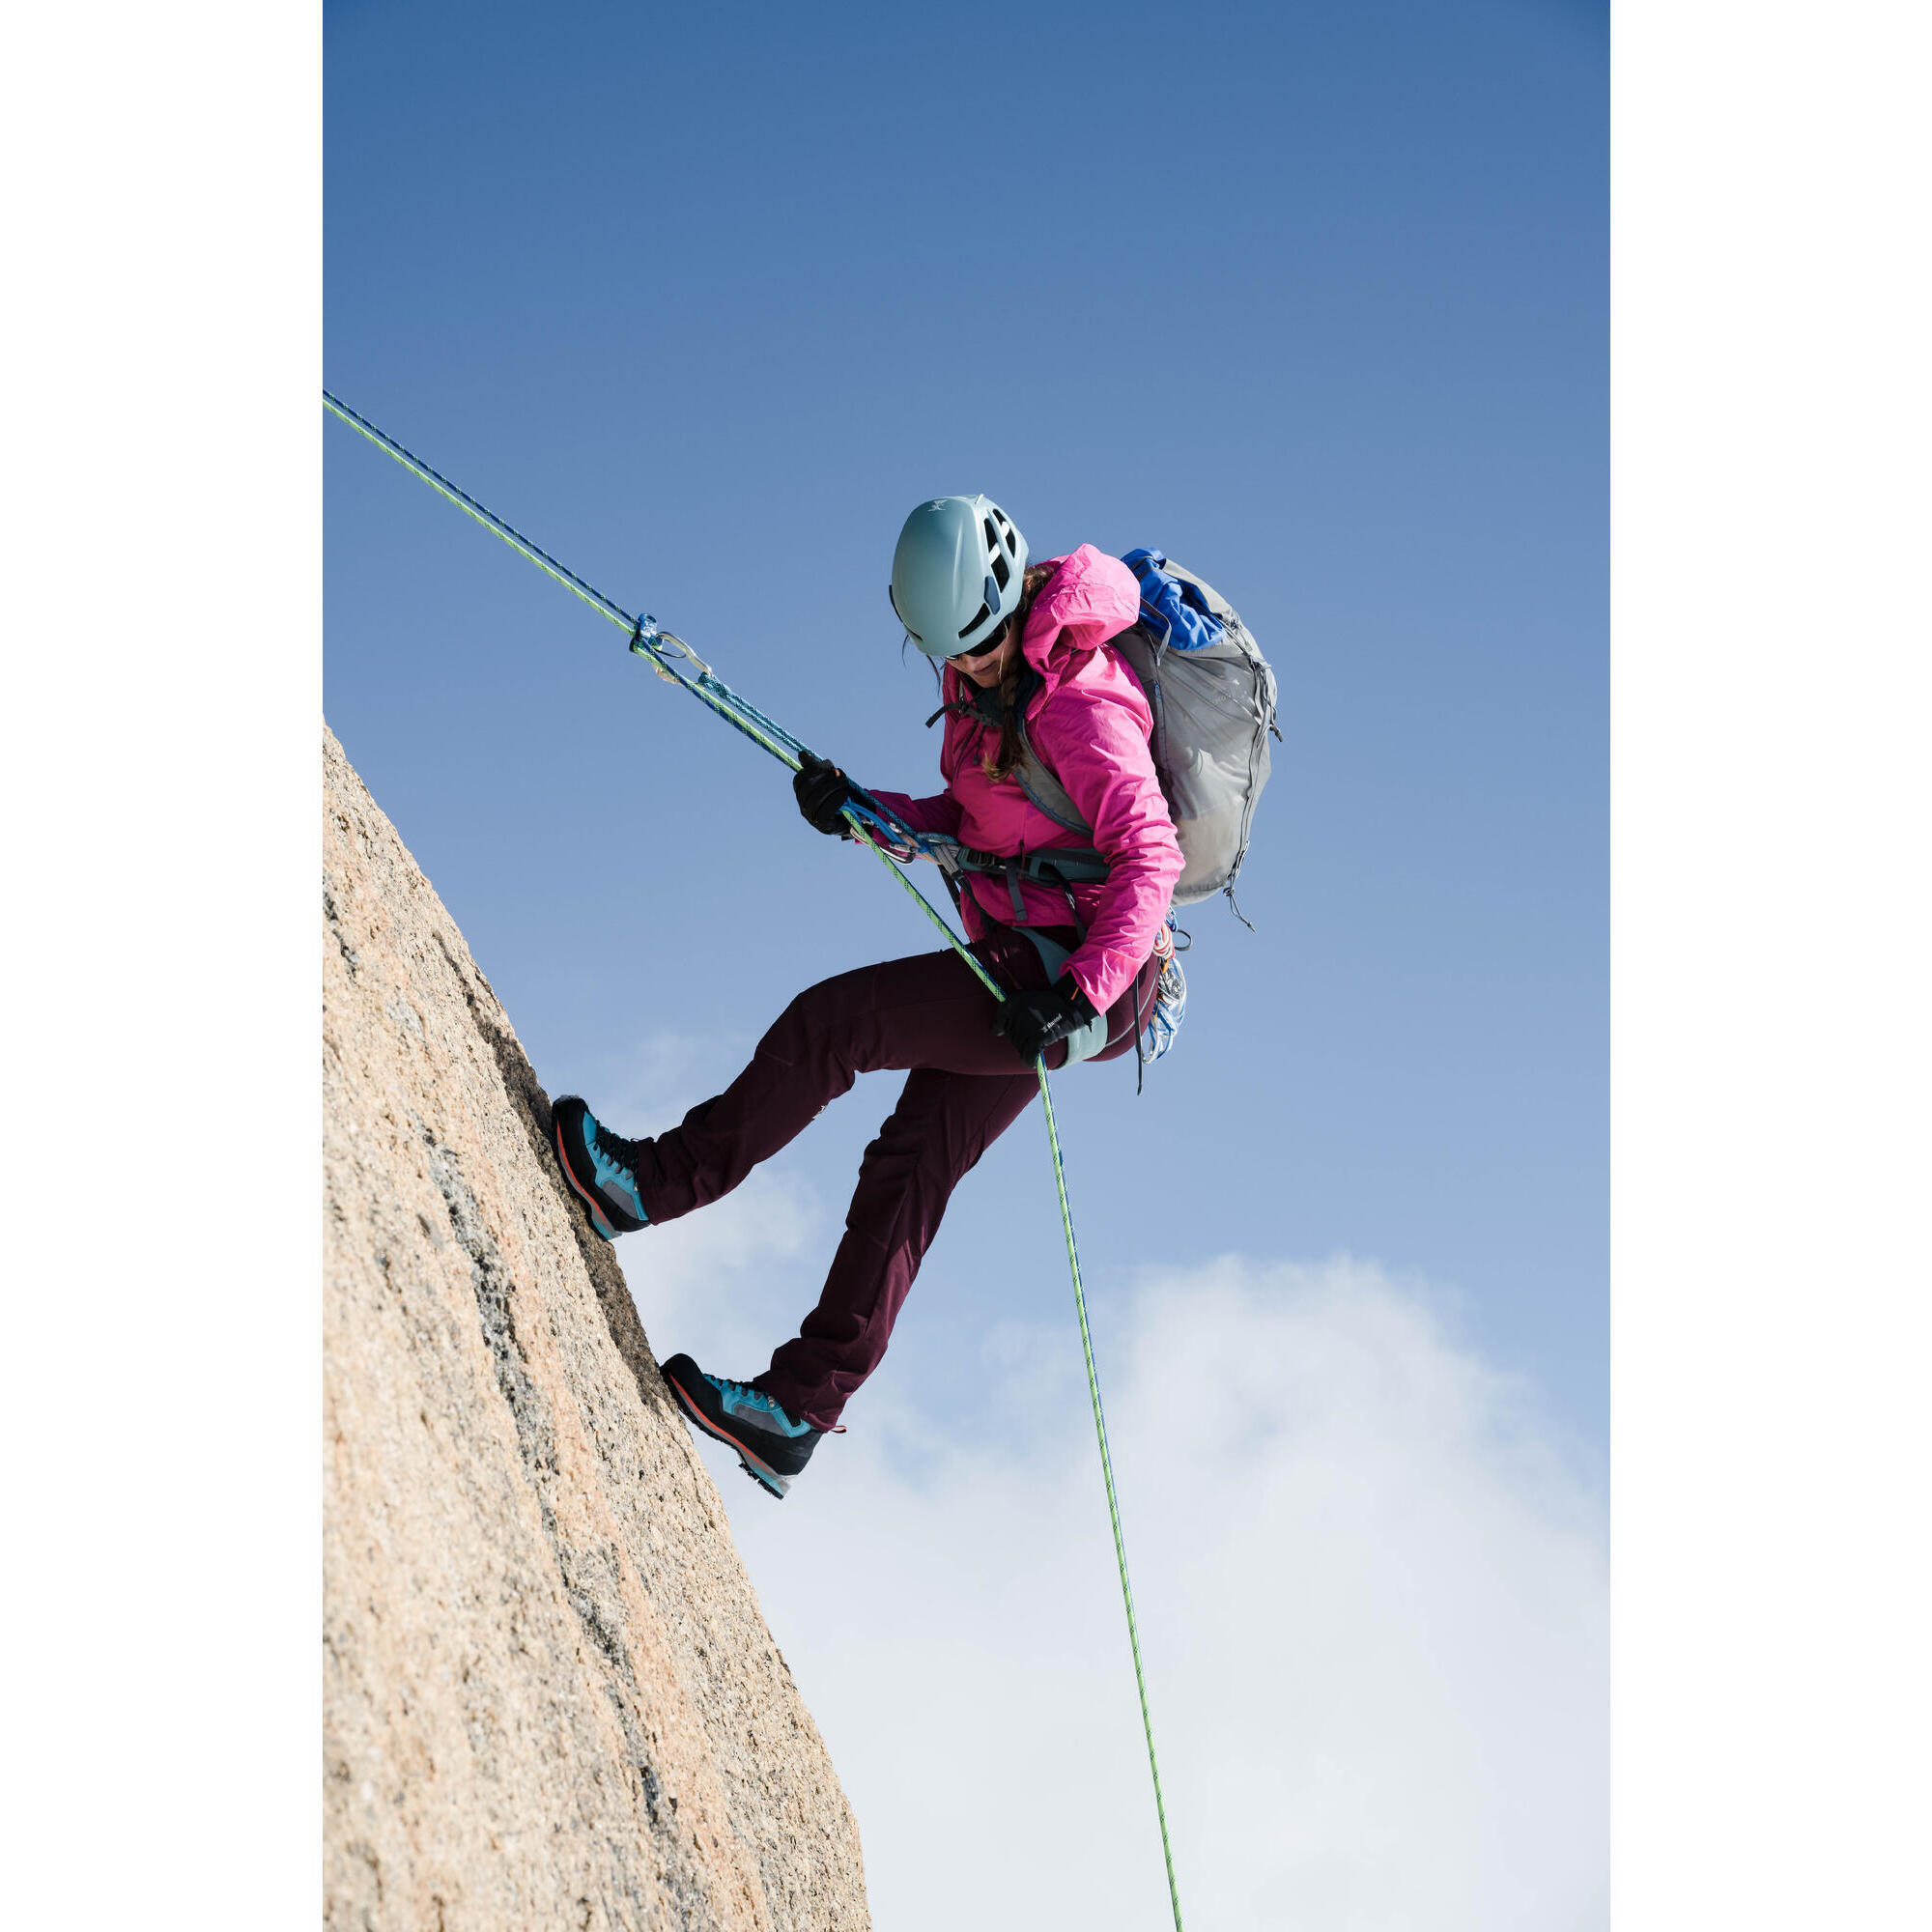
821, 788
1036, 1021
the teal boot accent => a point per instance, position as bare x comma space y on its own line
600, 1167
773, 1448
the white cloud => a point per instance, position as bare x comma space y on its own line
1372, 1603
719, 1283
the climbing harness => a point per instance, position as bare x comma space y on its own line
895, 843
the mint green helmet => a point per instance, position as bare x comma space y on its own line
958, 574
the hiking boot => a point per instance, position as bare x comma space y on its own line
601, 1167
770, 1446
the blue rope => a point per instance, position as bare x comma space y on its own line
870, 820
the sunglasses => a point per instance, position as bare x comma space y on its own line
985, 650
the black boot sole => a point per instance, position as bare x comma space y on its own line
680, 1371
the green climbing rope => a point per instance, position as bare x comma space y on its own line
647, 641
1107, 1472
673, 660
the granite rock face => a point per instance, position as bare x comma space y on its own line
551, 1698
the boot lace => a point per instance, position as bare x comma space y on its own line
624, 1162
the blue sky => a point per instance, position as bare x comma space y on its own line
1312, 297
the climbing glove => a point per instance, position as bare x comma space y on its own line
1036, 1021
821, 789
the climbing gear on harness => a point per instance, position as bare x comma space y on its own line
1170, 999
773, 1448
1036, 1020
602, 1167
958, 573
890, 839
823, 792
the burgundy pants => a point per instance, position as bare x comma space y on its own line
965, 1085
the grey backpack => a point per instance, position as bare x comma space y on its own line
1212, 695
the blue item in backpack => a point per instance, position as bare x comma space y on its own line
1174, 608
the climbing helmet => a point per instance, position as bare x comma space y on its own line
958, 570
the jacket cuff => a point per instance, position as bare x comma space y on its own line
1069, 986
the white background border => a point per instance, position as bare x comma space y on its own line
162, 632
1770, 1038
1771, 966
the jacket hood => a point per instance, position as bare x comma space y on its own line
1090, 598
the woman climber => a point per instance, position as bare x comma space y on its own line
1073, 942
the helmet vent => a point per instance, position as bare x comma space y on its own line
980, 616
1002, 570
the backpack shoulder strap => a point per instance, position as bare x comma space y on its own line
1045, 792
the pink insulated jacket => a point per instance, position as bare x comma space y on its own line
1090, 723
